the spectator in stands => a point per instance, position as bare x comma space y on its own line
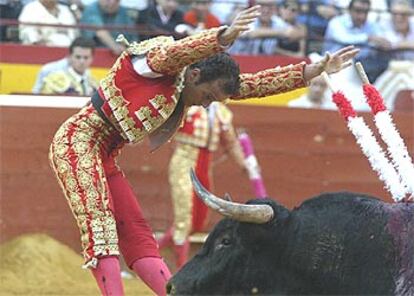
128, 4
200, 17
261, 39
47, 12
316, 97
315, 15
163, 18
400, 30
378, 8
69, 75
294, 43
9, 9
134, 6
354, 28
399, 75
107, 13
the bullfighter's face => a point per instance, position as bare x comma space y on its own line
202, 94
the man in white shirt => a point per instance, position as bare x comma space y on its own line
399, 30
47, 12
354, 28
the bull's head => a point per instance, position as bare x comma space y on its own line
338, 243
236, 256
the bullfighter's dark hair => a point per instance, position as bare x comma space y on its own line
82, 42
220, 66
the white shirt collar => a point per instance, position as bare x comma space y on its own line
77, 76
164, 18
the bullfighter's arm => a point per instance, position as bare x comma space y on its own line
278, 80
171, 58
174, 56
271, 81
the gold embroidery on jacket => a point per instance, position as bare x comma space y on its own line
171, 58
74, 156
271, 81
144, 115
179, 85
125, 124
140, 48
159, 102
164, 55
118, 106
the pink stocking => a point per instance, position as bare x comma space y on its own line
166, 239
154, 272
108, 276
181, 253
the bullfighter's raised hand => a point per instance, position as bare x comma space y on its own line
331, 63
240, 24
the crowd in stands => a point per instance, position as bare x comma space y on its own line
383, 29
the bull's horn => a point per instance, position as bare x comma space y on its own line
258, 214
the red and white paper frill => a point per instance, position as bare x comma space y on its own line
370, 147
397, 149
376, 157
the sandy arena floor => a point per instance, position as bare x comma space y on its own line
39, 265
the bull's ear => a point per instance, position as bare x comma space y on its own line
267, 235
280, 212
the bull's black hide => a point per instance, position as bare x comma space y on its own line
334, 244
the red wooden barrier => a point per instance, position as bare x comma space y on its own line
301, 152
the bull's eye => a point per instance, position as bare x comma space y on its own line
224, 242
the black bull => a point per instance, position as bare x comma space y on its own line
333, 244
